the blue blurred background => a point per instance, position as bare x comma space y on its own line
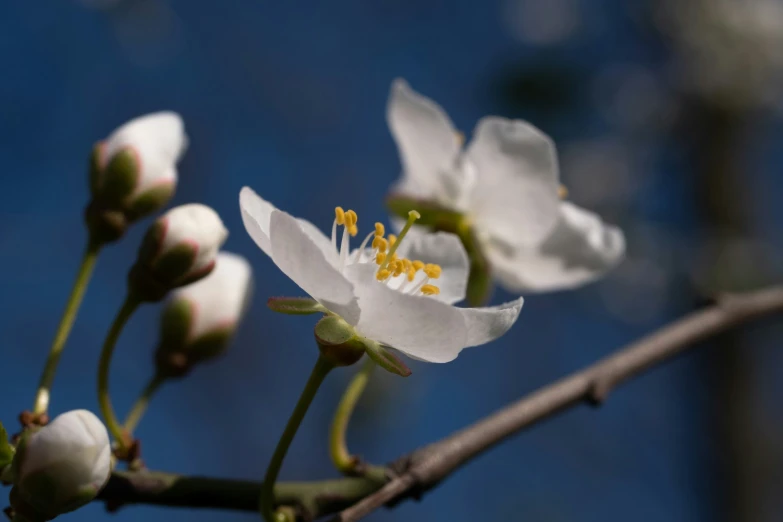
666, 118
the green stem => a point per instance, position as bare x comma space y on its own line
140, 407
90, 256
338, 448
104, 399
266, 501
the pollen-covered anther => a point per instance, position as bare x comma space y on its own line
418, 265
351, 218
353, 230
382, 274
380, 243
339, 215
411, 274
433, 271
392, 240
398, 269
380, 230
430, 290
380, 258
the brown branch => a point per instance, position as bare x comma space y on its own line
428, 466
425, 468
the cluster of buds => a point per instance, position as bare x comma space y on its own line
133, 173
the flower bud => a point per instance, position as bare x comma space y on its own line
133, 172
179, 248
200, 319
61, 466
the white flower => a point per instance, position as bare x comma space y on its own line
406, 311
157, 141
219, 300
505, 183
196, 227
178, 249
62, 466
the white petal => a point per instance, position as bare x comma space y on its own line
515, 196
487, 324
255, 216
298, 257
197, 225
221, 298
425, 137
579, 250
418, 326
159, 141
77, 437
443, 249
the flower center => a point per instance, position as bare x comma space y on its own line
398, 273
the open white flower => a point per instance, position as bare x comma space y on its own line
62, 466
381, 289
505, 187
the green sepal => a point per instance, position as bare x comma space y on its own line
149, 201
6, 450
432, 214
175, 264
119, 179
384, 358
295, 305
175, 323
338, 341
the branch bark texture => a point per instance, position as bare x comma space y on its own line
425, 468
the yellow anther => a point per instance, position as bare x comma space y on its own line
411, 274
380, 258
380, 230
418, 265
562, 191
382, 274
353, 230
406, 264
380, 243
392, 240
432, 271
351, 218
394, 257
398, 269
339, 215
430, 290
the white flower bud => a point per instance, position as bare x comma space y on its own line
61, 466
200, 319
134, 173
179, 248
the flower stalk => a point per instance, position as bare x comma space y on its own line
140, 406
129, 306
266, 501
89, 258
342, 459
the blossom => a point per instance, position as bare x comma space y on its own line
61, 466
178, 249
504, 190
199, 319
394, 292
134, 169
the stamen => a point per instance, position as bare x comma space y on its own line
339, 215
353, 230
380, 243
418, 265
334, 234
394, 241
380, 230
382, 274
351, 218
380, 258
360, 252
345, 247
433, 271
430, 290
411, 274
